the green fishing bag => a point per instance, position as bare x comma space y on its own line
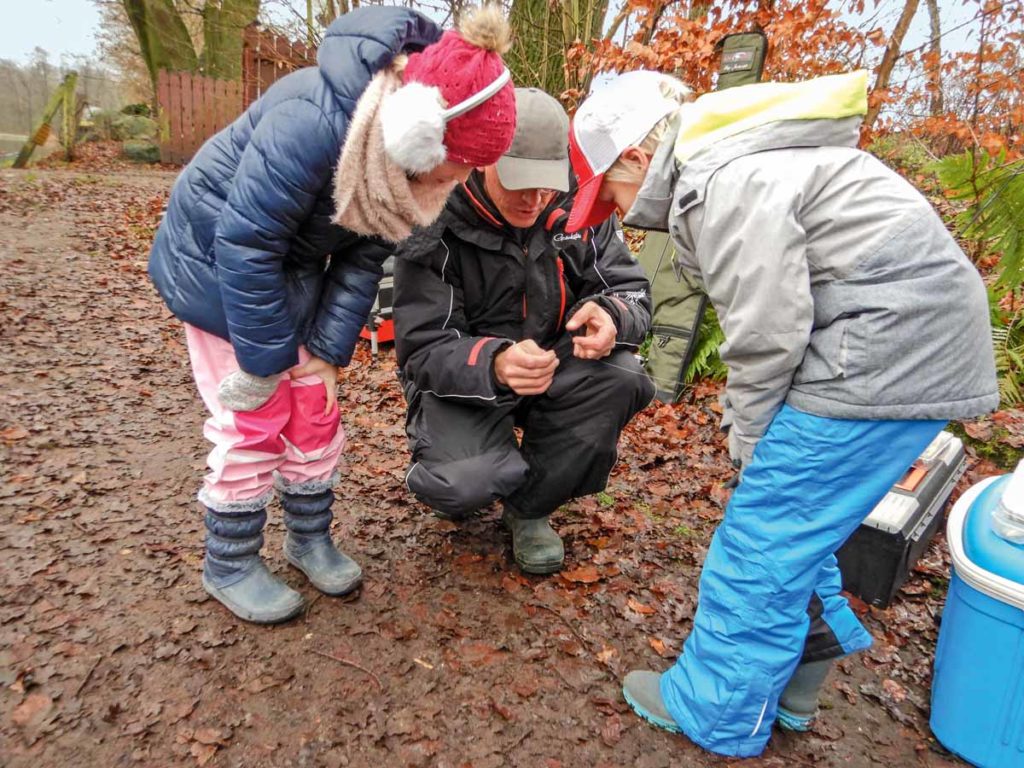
742, 62
679, 305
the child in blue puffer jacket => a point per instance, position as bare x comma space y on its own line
271, 252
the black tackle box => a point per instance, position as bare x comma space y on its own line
877, 558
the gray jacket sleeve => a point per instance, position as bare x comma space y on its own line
751, 249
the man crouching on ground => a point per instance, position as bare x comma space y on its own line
503, 320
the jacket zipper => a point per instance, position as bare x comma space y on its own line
561, 288
526, 258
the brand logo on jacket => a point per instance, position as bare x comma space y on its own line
633, 297
562, 238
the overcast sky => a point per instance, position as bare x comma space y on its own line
67, 27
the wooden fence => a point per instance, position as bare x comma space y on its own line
267, 57
192, 109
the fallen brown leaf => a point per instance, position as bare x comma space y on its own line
203, 753
586, 574
658, 645
13, 433
636, 605
611, 731
32, 710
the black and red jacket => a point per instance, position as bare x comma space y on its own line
470, 285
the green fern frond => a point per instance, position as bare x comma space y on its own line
995, 213
705, 362
1008, 349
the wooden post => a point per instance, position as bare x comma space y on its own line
70, 123
163, 100
42, 130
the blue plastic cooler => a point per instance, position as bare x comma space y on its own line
978, 687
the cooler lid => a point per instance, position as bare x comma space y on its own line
983, 545
982, 558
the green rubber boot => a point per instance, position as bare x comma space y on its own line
798, 705
535, 545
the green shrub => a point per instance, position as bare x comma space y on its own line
993, 190
141, 151
141, 110
135, 127
994, 217
901, 153
114, 126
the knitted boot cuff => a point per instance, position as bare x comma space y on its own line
307, 487
242, 505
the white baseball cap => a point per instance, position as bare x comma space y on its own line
617, 116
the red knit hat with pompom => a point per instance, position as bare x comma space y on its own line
461, 65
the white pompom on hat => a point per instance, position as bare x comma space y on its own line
412, 122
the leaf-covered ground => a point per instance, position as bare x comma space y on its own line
111, 653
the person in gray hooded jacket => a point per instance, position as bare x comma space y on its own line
855, 328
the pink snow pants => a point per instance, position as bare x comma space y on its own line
287, 439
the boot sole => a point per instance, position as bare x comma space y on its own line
245, 615
658, 722
449, 517
540, 569
792, 722
347, 589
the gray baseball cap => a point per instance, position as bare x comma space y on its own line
539, 155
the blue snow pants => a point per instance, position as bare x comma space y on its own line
771, 569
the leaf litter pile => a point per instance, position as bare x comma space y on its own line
111, 653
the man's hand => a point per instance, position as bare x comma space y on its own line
525, 368
598, 337
327, 372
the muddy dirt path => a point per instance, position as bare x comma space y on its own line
111, 654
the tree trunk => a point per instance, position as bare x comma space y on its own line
310, 34
331, 11
934, 69
223, 25
163, 38
653, 20
583, 25
892, 52
537, 57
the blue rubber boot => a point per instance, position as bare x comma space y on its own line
798, 705
642, 691
308, 545
235, 574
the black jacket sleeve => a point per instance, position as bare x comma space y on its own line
615, 280
436, 351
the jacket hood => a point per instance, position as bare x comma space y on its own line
721, 115
366, 40
722, 126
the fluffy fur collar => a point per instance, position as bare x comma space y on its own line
373, 196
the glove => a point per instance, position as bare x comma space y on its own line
741, 449
243, 391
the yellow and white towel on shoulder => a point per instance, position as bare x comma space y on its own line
722, 114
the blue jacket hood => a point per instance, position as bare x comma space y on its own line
368, 39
